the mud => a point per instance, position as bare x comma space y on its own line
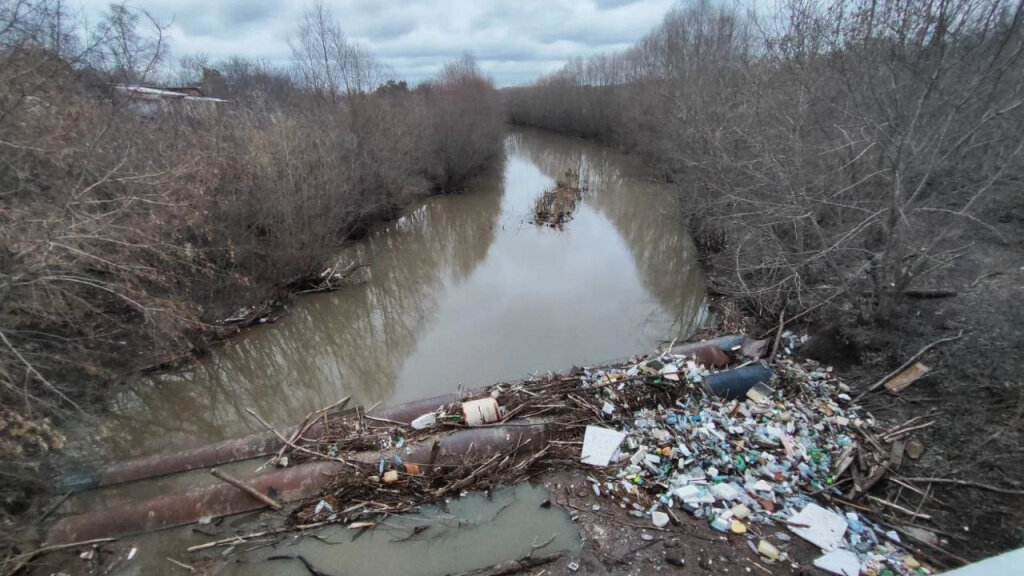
975, 389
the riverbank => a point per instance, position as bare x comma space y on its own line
819, 200
137, 233
969, 311
427, 296
642, 455
971, 391
883, 215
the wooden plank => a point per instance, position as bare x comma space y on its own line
907, 377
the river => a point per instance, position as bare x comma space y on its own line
461, 291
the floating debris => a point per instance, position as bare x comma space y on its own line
557, 206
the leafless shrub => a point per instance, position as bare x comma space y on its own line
124, 236
827, 149
462, 132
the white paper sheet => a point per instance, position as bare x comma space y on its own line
599, 444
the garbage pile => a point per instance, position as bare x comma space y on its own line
707, 429
744, 463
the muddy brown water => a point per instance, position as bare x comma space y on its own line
462, 291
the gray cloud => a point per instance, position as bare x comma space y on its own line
244, 12
197, 18
515, 41
614, 3
389, 30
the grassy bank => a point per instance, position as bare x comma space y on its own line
128, 225
843, 164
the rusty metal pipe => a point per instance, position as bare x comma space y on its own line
233, 450
712, 352
407, 412
715, 352
479, 443
725, 343
287, 485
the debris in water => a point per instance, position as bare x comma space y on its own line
424, 421
745, 448
557, 206
481, 411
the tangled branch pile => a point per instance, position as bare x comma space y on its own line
557, 206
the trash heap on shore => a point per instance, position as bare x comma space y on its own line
758, 445
745, 463
709, 429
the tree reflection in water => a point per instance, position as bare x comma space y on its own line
461, 290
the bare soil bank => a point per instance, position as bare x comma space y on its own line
974, 390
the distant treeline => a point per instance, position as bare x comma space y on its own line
829, 152
127, 226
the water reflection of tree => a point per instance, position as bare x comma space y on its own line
347, 343
644, 213
354, 342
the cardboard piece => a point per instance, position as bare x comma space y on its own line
818, 526
912, 374
760, 393
599, 445
839, 562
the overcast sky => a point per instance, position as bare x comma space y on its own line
515, 41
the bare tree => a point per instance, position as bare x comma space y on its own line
326, 62
124, 50
191, 69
